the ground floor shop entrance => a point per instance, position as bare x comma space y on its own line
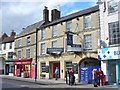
9, 67
23, 68
53, 66
114, 72
86, 67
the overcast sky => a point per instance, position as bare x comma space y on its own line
18, 14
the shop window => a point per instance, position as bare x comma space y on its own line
43, 67
68, 65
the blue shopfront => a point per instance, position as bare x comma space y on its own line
111, 56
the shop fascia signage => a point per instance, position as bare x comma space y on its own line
52, 50
109, 53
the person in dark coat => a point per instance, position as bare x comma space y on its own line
100, 77
95, 77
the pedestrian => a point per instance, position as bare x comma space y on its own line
67, 76
72, 77
95, 78
56, 73
100, 77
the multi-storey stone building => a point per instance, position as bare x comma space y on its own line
25, 48
69, 41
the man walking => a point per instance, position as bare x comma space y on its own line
56, 73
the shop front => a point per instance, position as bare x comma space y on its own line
23, 68
9, 67
110, 57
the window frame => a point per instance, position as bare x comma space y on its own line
114, 33
19, 54
42, 48
28, 41
54, 44
88, 41
43, 33
54, 30
87, 22
27, 53
69, 25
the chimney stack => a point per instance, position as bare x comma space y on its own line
55, 14
12, 33
46, 14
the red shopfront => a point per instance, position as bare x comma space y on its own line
22, 68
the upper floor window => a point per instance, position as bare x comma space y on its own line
69, 26
43, 48
19, 42
19, 54
54, 44
43, 33
27, 53
87, 21
10, 55
87, 41
54, 30
28, 40
112, 6
114, 33
4, 46
10, 45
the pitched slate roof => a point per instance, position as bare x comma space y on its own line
30, 29
74, 15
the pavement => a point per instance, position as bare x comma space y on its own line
58, 82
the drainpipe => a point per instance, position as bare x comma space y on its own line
36, 55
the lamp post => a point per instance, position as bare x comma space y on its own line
36, 55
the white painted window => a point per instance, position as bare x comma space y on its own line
43, 48
28, 40
114, 33
10, 45
19, 54
27, 53
87, 21
54, 30
43, 34
54, 44
69, 25
87, 41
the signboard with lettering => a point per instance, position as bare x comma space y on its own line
51, 50
84, 74
109, 53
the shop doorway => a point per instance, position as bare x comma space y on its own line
53, 66
112, 73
